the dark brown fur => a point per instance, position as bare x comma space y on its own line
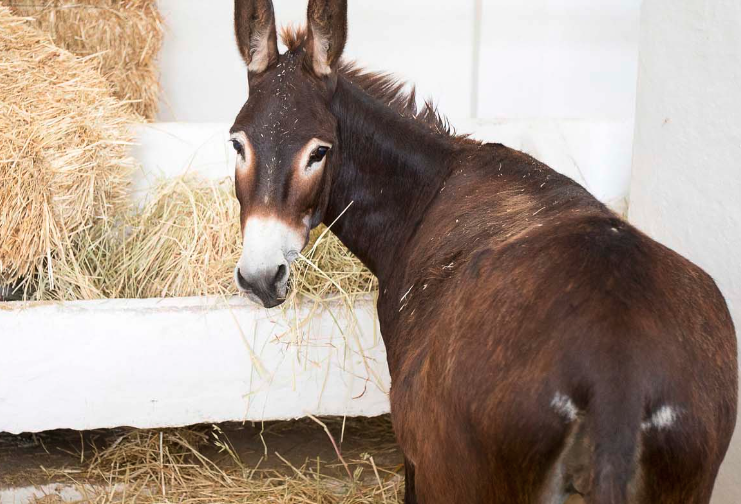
504, 284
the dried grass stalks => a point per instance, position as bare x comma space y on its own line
169, 466
121, 37
63, 158
185, 241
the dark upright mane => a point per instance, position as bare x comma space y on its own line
382, 86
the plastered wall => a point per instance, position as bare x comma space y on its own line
490, 59
686, 182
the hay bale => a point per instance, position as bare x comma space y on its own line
185, 241
63, 159
122, 37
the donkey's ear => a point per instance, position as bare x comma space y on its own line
254, 24
326, 35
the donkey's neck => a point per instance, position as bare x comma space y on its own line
386, 170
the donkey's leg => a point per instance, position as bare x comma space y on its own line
410, 495
680, 461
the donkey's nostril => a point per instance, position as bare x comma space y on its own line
242, 282
280, 274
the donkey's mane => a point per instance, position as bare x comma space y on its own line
380, 85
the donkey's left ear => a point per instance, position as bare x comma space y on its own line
326, 35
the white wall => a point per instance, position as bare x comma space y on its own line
207, 360
570, 64
558, 58
686, 185
203, 77
567, 59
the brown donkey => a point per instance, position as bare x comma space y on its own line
539, 346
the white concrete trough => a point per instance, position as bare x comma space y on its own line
170, 362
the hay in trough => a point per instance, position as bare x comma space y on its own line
183, 242
121, 37
64, 167
186, 240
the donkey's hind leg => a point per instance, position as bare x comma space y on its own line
410, 495
680, 462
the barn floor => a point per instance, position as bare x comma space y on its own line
152, 466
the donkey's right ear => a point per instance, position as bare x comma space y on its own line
254, 24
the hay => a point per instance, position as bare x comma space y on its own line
121, 37
63, 159
185, 241
171, 465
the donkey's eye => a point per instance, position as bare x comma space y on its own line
318, 154
237, 146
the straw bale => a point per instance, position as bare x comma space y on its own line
64, 167
121, 37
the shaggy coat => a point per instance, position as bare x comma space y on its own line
539, 346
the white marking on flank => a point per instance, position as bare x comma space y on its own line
564, 406
663, 418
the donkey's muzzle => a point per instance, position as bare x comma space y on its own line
266, 287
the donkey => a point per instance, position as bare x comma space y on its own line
539, 346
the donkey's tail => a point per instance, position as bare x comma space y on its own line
614, 420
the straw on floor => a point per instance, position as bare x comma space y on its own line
122, 38
64, 166
200, 464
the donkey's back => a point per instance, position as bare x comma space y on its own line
558, 350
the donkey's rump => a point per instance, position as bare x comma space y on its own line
566, 352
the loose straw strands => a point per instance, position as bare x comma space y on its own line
171, 465
185, 241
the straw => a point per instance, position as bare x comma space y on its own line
185, 241
64, 167
170, 465
121, 38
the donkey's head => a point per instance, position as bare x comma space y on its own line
283, 137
